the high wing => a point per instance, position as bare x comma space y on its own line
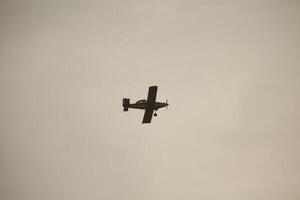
148, 115
150, 104
151, 96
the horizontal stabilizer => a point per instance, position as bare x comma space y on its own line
126, 103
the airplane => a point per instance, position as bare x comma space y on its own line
150, 105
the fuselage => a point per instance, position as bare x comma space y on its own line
142, 104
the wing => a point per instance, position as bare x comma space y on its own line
151, 96
150, 104
148, 115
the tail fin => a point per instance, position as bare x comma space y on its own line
126, 104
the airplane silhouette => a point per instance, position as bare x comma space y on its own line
148, 105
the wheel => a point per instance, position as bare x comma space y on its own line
155, 114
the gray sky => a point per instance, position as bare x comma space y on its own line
230, 70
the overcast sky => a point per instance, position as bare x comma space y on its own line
230, 70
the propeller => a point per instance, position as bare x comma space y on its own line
167, 104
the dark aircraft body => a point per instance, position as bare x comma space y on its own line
150, 105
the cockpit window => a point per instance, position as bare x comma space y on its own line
141, 101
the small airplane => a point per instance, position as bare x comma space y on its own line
150, 105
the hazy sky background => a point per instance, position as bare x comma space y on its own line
230, 70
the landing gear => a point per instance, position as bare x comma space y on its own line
155, 114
